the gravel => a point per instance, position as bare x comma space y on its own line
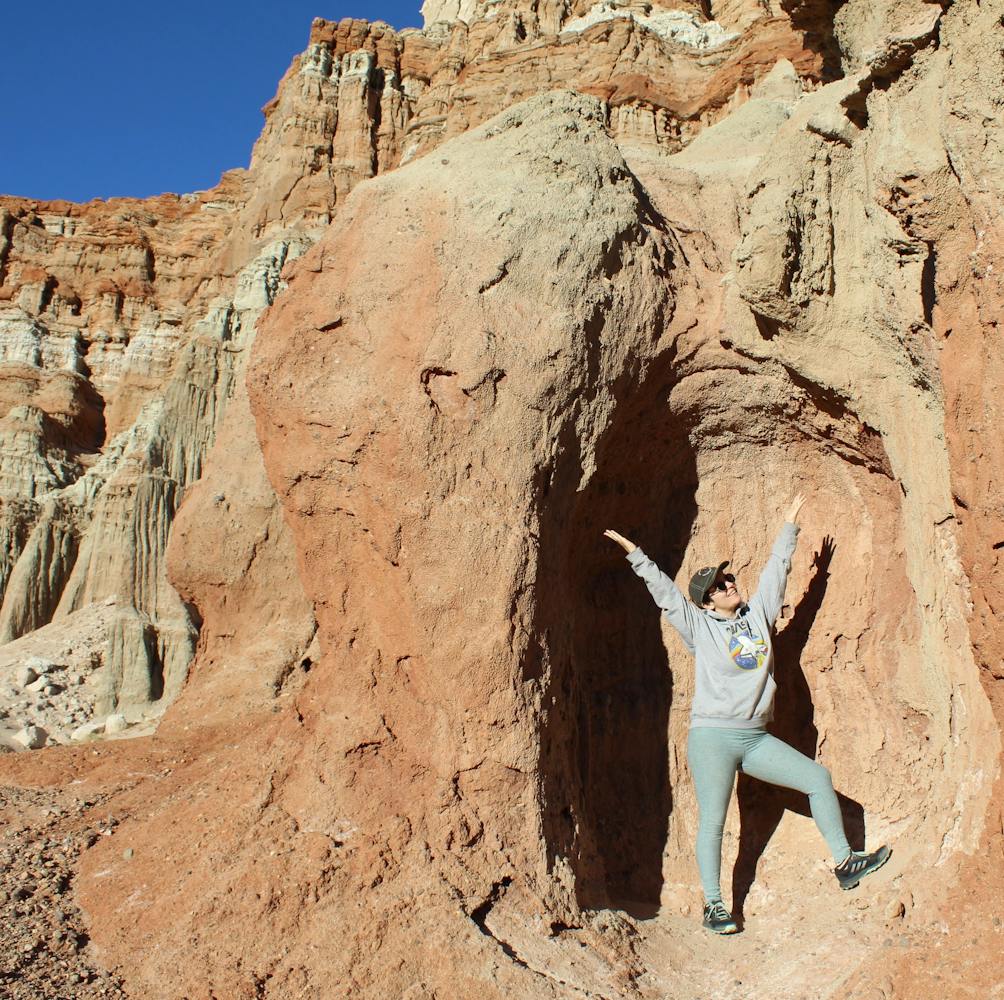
44, 953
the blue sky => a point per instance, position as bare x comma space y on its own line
115, 98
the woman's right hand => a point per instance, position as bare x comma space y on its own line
626, 545
796, 506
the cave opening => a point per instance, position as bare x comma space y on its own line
607, 796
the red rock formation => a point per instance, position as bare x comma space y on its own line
134, 295
660, 300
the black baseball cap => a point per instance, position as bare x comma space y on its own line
701, 581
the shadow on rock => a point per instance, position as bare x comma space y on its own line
762, 806
605, 753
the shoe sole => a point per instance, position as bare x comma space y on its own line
731, 929
868, 871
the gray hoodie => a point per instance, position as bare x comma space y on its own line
733, 658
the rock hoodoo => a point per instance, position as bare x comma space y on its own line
349, 427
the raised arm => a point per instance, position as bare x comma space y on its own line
774, 578
680, 613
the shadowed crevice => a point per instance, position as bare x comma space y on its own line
814, 18
604, 754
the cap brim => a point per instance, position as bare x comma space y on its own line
721, 566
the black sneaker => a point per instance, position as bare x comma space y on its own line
718, 919
856, 866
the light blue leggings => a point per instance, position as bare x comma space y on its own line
714, 756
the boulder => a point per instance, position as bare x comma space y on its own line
32, 737
93, 728
116, 723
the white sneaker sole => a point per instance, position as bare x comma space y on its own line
867, 871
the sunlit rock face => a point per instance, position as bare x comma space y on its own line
123, 323
117, 374
533, 272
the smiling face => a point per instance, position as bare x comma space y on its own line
724, 597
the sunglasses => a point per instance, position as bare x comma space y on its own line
722, 584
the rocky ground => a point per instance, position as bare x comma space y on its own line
801, 937
51, 685
49, 695
44, 945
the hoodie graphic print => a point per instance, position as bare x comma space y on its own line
748, 649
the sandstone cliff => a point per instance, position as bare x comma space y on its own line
540, 269
123, 323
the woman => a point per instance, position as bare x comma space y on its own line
731, 642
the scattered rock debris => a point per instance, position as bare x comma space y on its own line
44, 944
